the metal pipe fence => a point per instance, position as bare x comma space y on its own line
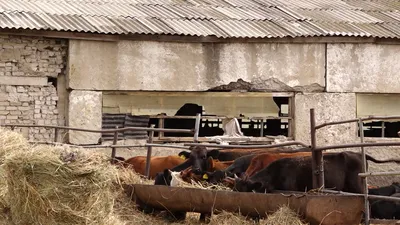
317, 162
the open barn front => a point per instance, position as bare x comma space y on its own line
258, 114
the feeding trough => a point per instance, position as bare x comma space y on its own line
315, 208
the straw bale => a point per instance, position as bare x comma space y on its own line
11, 141
59, 185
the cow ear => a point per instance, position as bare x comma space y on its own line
184, 155
213, 153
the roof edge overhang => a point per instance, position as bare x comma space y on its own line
193, 39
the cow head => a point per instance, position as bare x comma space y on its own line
217, 176
248, 186
199, 158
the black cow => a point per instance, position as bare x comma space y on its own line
188, 109
386, 190
295, 174
238, 167
384, 209
198, 157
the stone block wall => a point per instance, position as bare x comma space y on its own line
26, 95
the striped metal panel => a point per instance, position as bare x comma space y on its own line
111, 121
220, 18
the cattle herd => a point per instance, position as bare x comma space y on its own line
255, 170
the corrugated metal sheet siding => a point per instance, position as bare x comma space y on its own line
111, 121
220, 18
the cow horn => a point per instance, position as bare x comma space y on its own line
235, 176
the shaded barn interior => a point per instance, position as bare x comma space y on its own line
381, 129
213, 127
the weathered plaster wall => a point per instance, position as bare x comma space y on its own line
363, 68
328, 107
145, 65
26, 96
85, 111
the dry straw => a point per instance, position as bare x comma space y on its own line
61, 185
58, 185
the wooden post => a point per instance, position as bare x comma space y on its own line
55, 134
197, 128
113, 149
262, 128
160, 125
291, 115
383, 129
317, 162
364, 169
149, 149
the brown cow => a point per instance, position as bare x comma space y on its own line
157, 164
261, 161
199, 155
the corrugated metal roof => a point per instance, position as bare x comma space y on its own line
220, 18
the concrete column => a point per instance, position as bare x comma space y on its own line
85, 111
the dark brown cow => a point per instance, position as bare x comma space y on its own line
199, 155
295, 174
261, 161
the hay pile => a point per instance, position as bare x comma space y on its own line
63, 185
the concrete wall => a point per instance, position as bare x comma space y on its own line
363, 68
85, 112
26, 96
144, 65
328, 107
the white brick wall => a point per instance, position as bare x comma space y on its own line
30, 103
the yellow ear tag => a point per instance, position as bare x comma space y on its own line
183, 157
205, 176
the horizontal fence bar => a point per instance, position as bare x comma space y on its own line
356, 120
104, 130
167, 146
372, 174
358, 145
376, 197
109, 146
249, 146
221, 117
382, 221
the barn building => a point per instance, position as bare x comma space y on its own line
98, 63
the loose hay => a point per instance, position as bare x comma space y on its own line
284, 215
58, 185
11, 141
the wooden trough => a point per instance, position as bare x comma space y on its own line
314, 208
